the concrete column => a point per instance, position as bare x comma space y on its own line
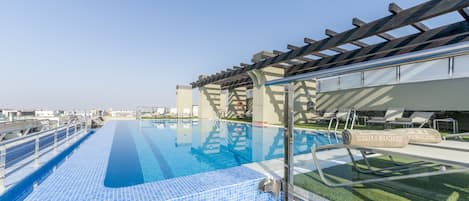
236, 102
209, 101
267, 106
223, 103
184, 101
305, 101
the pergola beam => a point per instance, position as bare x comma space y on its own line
237, 83
395, 9
244, 65
403, 18
277, 52
331, 33
318, 54
358, 23
455, 30
305, 59
292, 47
464, 12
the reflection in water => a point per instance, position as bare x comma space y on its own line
238, 142
165, 149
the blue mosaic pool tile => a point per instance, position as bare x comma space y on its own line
81, 177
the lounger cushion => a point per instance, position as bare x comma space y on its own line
420, 135
375, 138
404, 119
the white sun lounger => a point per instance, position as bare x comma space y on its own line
327, 116
417, 118
451, 156
390, 115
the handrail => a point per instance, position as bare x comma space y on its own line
38, 150
6, 142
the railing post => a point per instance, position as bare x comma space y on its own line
75, 132
67, 133
55, 139
2, 168
75, 136
85, 123
36, 151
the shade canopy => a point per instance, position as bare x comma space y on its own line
331, 52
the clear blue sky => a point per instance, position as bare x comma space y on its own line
120, 54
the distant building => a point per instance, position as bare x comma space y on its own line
44, 113
173, 111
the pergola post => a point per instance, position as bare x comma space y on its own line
209, 101
223, 108
267, 100
184, 101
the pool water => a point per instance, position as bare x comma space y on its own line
146, 151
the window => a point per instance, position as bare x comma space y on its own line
437, 69
328, 84
352, 80
429, 70
380, 76
461, 66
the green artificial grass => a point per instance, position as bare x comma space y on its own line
449, 187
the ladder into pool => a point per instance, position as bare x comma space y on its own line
350, 118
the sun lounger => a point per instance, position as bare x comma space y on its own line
390, 115
417, 118
327, 116
449, 156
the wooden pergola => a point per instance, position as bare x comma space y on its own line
298, 60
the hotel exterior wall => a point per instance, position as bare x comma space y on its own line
445, 95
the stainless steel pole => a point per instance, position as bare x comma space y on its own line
2, 168
288, 142
36, 151
55, 139
67, 133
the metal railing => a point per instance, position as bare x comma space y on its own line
21, 151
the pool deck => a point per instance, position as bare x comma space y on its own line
81, 177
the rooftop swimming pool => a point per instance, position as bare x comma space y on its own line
147, 151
